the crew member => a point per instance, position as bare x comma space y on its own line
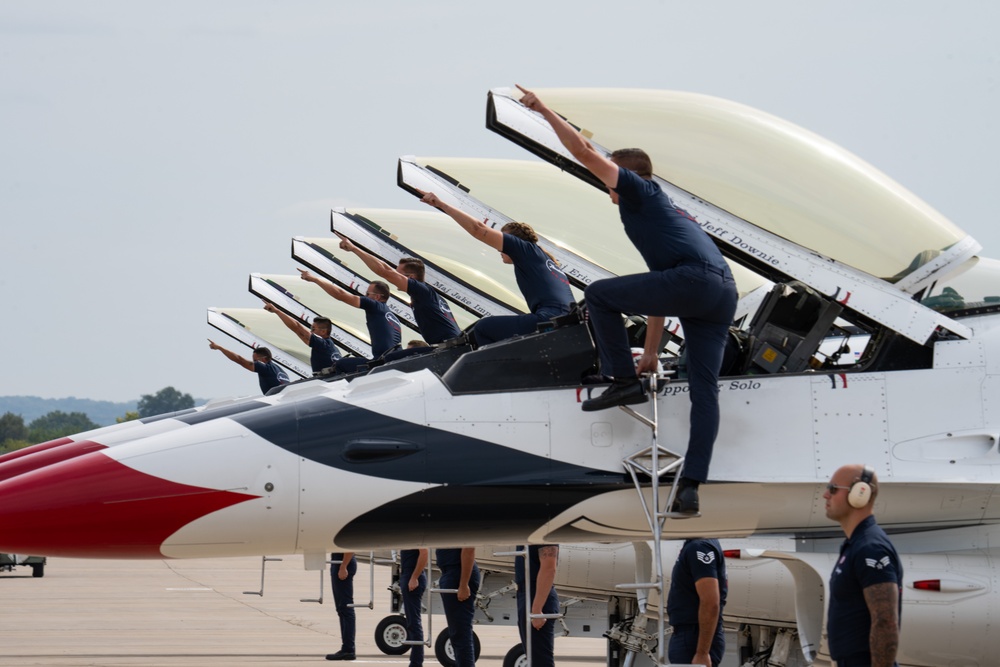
412, 584
866, 586
432, 313
324, 353
542, 283
544, 600
697, 596
383, 327
688, 279
460, 572
269, 374
343, 567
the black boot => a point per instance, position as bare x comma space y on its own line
627, 391
686, 500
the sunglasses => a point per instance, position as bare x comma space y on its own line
832, 488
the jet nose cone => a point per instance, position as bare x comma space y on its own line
45, 457
93, 506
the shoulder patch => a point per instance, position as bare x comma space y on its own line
879, 564
706, 557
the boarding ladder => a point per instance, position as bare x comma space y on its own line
663, 468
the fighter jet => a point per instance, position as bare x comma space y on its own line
496, 449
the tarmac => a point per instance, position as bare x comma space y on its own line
168, 613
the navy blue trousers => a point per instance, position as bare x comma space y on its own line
542, 641
460, 614
704, 299
501, 327
684, 642
343, 598
413, 610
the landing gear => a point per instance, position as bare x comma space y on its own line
38, 570
390, 635
516, 657
446, 654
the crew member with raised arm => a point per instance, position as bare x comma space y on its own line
269, 374
383, 327
434, 318
324, 352
542, 283
688, 279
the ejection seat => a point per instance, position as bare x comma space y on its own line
788, 328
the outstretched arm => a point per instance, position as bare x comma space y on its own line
232, 356
580, 148
290, 322
380, 268
478, 229
331, 289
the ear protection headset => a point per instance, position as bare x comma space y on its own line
861, 489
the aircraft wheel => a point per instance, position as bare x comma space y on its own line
446, 654
38, 570
516, 657
390, 635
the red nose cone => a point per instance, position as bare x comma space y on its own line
45, 457
33, 449
95, 507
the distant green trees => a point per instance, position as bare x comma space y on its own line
14, 434
56, 424
167, 399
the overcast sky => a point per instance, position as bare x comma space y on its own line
154, 154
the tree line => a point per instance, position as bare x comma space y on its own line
15, 434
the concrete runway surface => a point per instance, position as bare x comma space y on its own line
193, 612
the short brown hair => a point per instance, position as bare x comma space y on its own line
380, 288
634, 159
324, 323
263, 352
523, 231
413, 265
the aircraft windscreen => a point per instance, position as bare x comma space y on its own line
769, 172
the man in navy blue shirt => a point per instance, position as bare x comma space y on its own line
383, 327
688, 279
412, 584
432, 313
698, 587
459, 572
269, 374
542, 283
324, 353
866, 586
343, 567
543, 560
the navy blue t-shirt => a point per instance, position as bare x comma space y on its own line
270, 375
383, 327
324, 353
866, 559
434, 318
408, 560
699, 558
541, 281
664, 235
